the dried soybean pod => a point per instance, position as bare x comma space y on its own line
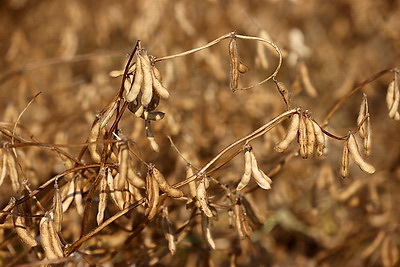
150, 136
128, 84
159, 87
78, 193
310, 137
291, 134
134, 179
3, 173
390, 101
55, 240
69, 196
12, 172
119, 73
57, 208
118, 195
108, 114
303, 137
355, 154
102, 199
23, 233
163, 184
238, 218
367, 138
153, 195
344, 168
396, 98
201, 193
234, 63
157, 73
147, 90
247, 170
123, 160
206, 230
49, 239
361, 115
284, 93
305, 78
167, 229
93, 135
319, 138
261, 178
137, 82
192, 183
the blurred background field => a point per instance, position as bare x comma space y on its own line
311, 216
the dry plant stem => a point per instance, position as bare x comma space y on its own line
227, 36
352, 92
8, 208
89, 235
19, 117
248, 138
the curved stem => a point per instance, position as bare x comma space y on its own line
352, 92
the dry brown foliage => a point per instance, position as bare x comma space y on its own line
221, 138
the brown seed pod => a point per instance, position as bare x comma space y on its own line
361, 116
303, 137
291, 134
78, 193
153, 196
355, 153
134, 179
206, 230
395, 98
102, 199
49, 239
123, 161
3, 172
234, 63
157, 73
147, 90
137, 83
247, 170
128, 84
57, 211
12, 172
23, 232
344, 169
118, 192
167, 229
158, 86
108, 114
201, 193
310, 137
261, 178
192, 184
150, 136
68, 195
319, 138
163, 184
305, 78
93, 136
284, 93
238, 220
119, 73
